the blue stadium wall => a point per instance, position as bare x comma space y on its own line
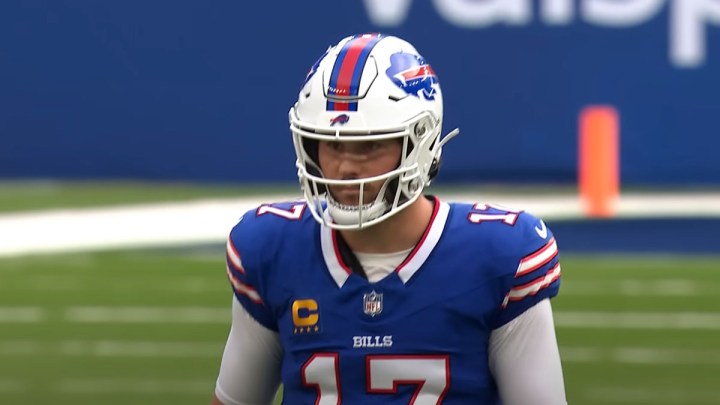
199, 90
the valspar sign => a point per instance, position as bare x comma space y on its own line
688, 19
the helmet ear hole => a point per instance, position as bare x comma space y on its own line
420, 129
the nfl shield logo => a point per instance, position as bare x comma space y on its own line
373, 303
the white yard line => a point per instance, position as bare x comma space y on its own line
640, 288
188, 349
221, 315
563, 319
210, 220
145, 386
640, 355
147, 315
107, 348
625, 288
21, 314
638, 320
651, 395
110, 348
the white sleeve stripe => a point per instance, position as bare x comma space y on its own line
536, 260
244, 288
533, 287
234, 256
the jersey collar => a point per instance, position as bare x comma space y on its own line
340, 272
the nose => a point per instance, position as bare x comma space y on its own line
349, 168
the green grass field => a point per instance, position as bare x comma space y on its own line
148, 327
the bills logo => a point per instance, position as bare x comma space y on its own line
412, 74
340, 120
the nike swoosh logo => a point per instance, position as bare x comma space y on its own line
542, 230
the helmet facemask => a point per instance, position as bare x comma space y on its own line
420, 155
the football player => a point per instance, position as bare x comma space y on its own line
369, 291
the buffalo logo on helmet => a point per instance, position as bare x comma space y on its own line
341, 119
412, 74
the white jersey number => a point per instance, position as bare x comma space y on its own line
509, 216
295, 212
385, 373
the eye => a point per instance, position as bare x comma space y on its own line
371, 146
334, 146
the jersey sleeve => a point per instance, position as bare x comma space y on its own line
247, 258
530, 268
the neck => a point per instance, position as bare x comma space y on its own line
400, 232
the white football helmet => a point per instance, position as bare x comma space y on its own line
369, 87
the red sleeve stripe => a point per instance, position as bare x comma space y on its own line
244, 289
234, 257
538, 259
532, 288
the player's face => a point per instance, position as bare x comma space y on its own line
356, 160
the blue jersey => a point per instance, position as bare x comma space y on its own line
418, 336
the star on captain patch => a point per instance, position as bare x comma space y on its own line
373, 303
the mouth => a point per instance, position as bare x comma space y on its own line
348, 198
348, 195
353, 207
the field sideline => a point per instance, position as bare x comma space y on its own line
209, 220
99, 319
